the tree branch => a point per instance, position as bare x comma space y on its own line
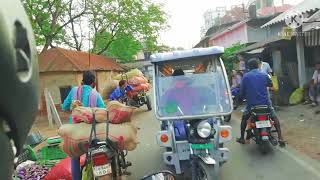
70, 20
72, 27
111, 40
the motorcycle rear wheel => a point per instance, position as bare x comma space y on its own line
264, 147
206, 171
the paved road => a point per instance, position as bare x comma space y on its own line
245, 162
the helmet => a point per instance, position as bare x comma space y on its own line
19, 81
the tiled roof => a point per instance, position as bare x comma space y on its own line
59, 59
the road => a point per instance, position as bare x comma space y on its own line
245, 160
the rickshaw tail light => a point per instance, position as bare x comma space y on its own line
164, 138
224, 133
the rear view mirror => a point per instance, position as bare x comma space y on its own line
165, 175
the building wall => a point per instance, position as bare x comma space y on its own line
237, 35
256, 34
275, 29
53, 80
104, 78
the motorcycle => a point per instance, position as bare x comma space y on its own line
136, 99
191, 107
107, 157
260, 128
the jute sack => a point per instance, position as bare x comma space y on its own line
119, 113
76, 136
85, 114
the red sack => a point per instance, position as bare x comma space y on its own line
62, 170
136, 80
137, 88
141, 87
119, 113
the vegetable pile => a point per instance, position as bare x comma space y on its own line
33, 172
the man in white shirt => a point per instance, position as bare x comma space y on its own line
265, 67
315, 89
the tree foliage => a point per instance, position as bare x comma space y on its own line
229, 57
119, 28
49, 19
124, 47
112, 20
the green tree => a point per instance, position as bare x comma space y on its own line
124, 47
229, 57
114, 27
49, 18
140, 20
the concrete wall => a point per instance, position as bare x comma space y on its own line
275, 29
104, 78
54, 80
256, 34
237, 35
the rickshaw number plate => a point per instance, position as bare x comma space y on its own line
263, 124
102, 170
201, 146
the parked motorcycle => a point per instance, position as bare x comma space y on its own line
191, 105
260, 128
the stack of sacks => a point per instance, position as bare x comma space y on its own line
139, 83
76, 136
136, 80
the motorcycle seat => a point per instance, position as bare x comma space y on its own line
262, 109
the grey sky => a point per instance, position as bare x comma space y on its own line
186, 19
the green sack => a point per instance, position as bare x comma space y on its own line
296, 97
87, 173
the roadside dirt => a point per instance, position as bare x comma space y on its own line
301, 128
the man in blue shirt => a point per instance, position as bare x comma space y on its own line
120, 91
254, 88
88, 83
85, 94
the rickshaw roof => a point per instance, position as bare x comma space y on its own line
167, 56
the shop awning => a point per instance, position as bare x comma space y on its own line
256, 51
260, 45
312, 38
305, 6
312, 23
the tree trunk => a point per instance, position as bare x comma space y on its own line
46, 45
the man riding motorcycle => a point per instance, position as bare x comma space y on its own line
120, 92
254, 88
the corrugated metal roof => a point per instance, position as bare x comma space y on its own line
260, 44
58, 59
305, 6
229, 28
